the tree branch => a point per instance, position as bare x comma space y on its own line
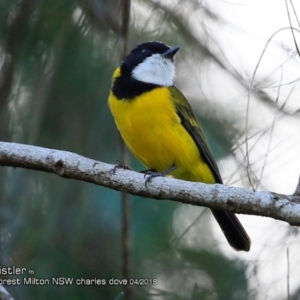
217, 196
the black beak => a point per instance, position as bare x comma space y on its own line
170, 53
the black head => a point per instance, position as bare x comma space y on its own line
146, 67
144, 50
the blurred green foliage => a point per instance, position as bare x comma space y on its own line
57, 60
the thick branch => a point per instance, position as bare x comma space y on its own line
73, 166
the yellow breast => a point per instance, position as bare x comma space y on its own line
153, 132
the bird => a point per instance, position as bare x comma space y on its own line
159, 126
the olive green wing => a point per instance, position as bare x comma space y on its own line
190, 123
229, 223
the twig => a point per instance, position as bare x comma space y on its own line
124, 159
290, 21
250, 90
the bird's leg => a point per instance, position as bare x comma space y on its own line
119, 165
151, 174
147, 171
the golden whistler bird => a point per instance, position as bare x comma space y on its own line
159, 127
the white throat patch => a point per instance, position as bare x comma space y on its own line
155, 69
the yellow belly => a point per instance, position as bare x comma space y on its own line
153, 132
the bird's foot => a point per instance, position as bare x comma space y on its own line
119, 165
152, 174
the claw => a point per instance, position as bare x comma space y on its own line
152, 174
119, 165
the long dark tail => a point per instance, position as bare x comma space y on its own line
233, 230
